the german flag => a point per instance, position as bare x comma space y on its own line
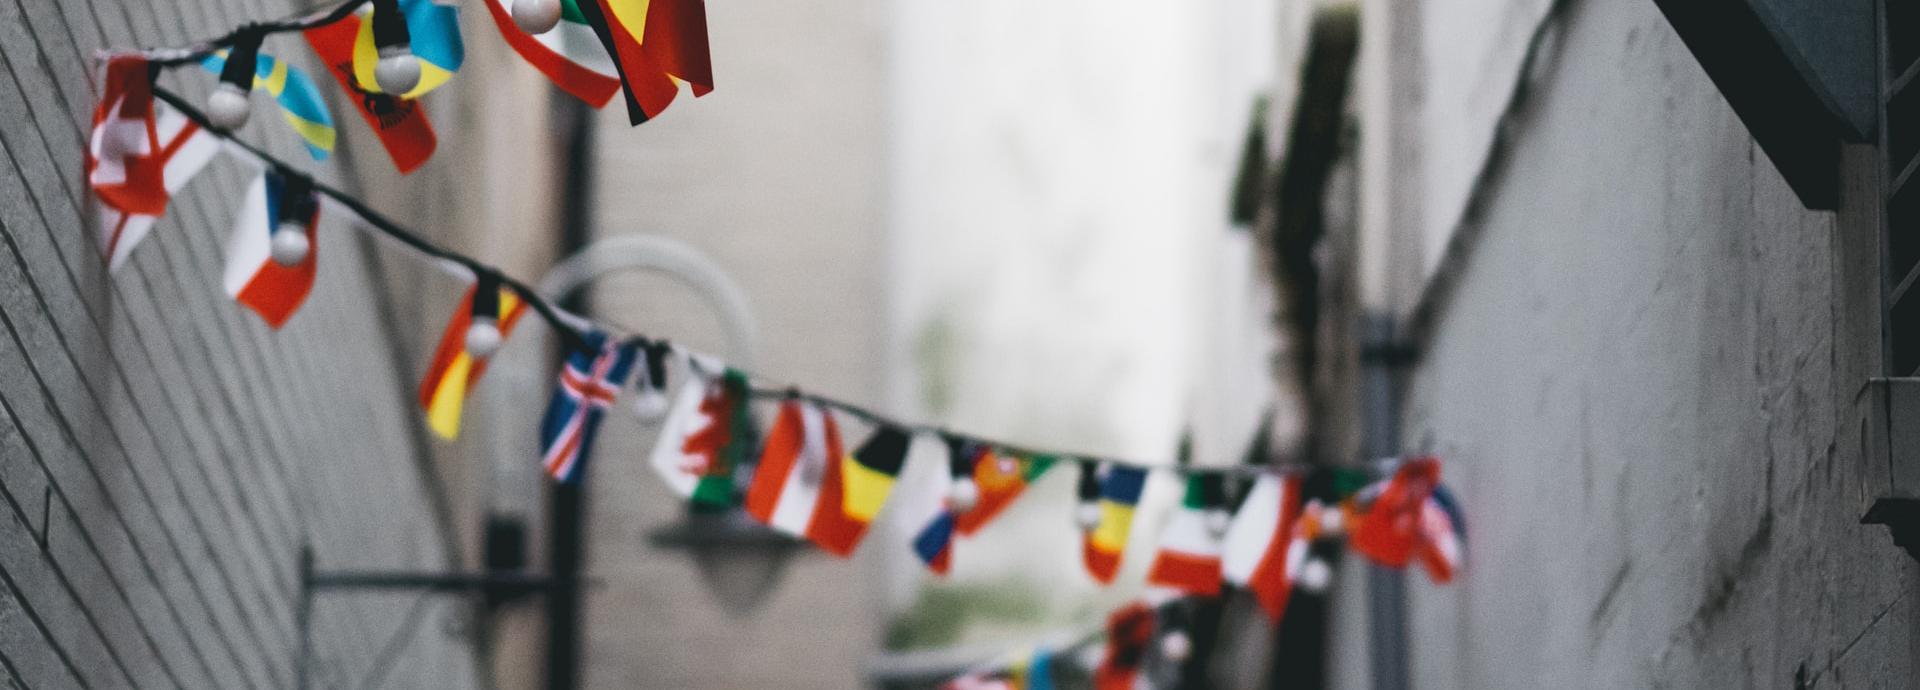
656, 46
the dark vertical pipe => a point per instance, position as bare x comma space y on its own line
567, 521
1386, 587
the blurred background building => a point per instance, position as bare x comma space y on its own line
1642, 285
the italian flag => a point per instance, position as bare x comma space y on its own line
587, 75
797, 488
1257, 543
1189, 558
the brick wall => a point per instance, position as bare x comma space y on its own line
164, 455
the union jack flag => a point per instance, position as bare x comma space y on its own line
588, 385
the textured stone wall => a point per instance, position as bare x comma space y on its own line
163, 454
1642, 380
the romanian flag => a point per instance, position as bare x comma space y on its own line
300, 102
1119, 494
1408, 516
253, 278
1257, 551
590, 78
869, 473
708, 434
454, 372
1189, 558
400, 123
797, 488
656, 46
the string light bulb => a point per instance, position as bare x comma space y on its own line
483, 326
228, 105
1086, 513
1315, 575
398, 70
962, 494
1176, 646
536, 16
650, 404
1218, 520
290, 245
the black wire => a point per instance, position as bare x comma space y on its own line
577, 340
170, 57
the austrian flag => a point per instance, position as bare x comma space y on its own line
588, 386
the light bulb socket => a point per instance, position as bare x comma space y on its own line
390, 27
243, 58
298, 207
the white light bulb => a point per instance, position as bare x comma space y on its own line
1176, 646
963, 495
1087, 515
228, 107
290, 246
483, 337
397, 72
1218, 520
650, 404
536, 16
1315, 575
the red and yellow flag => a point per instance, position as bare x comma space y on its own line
454, 372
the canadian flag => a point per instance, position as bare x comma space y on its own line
140, 153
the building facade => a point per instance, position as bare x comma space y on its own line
1564, 256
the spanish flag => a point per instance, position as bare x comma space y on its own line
867, 475
656, 46
1119, 493
454, 372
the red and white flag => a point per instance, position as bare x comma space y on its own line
1189, 557
1258, 542
253, 278
798, 488
139, 153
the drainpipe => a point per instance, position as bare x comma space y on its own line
567, 510
1380, 360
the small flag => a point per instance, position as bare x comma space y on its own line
253, 278
869, 473
1409, 516
139, 153
1189, 558
591, 79
797, 487
1129, 632
1257, 548
299, 99
706, 436
1119, 493
1039, 672
1001, 478
588, 385
434, 33
454, 371
656, 45
401, 124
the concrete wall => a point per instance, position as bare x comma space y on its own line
163, 455
1641, 374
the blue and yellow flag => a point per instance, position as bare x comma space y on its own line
299, 99
435, 32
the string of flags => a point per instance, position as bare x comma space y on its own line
1246, 526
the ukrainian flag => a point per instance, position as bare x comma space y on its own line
299, 100
435, 32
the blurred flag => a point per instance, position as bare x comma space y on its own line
706, 436
656, 46
1256, 552
797, 487
434, 33
253, 278
1119, 493
591, 79
1129, 631
588, 386
139, 153
454, 371
1409, 516
1189, 558
870, 471
400, 123
1001, 478
300, 102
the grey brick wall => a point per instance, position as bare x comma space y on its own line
164, 455
1643, 383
